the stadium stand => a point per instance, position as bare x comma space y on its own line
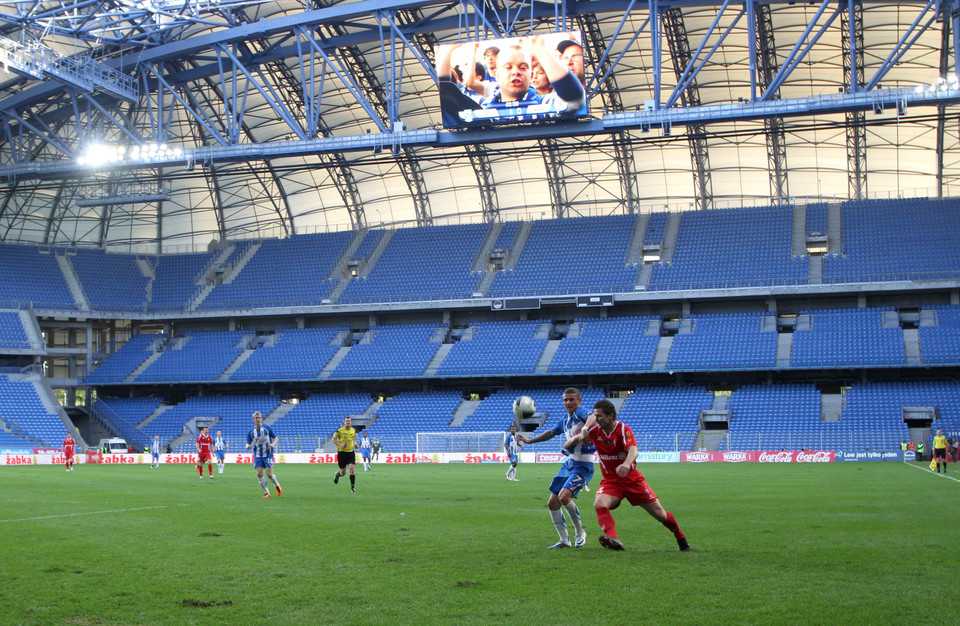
125, 360
572, 255
22, 410
390, 352
195, 357
283, 272
512, 347
290, 354
901, 239
612, 344
176, 280
111, 282
752, 245
775, 417
31, 275
427, 263
316, 418
725, 341
658, 414
940, 343
229, 413
12, 333
841, 337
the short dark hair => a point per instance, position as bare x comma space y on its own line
571, 391
606, 407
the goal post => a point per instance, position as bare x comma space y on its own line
701, 441
473, 442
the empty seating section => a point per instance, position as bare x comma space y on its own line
840, 337
751, 245
231, 414
817, 220
15, 443
428, 263
176, 280
728, 341
297, 354
881, 240
401, 417
22, 410
283, 272
124, 361
508, 235
12, 333
368, 244
31, 275
941, 343
496, 348
612, 344
873, 416
899, 239
111, 282
394, 351
586, 254
316, 418
775, 417
656, 228
194, 357
126, 414
658, 415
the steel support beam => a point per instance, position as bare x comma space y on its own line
767, 67
851, 25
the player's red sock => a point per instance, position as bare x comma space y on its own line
606, 522
200, 469
673, 526
209, 469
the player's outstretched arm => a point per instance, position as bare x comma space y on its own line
544, 436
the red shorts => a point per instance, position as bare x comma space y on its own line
204, 458
634, 490
69, 455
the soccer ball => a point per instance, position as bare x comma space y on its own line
523, 407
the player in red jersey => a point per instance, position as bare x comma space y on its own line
69, 447
204, 451
617, 451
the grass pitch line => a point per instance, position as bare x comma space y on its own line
139, 508
930, 471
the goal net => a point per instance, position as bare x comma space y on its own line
475, 442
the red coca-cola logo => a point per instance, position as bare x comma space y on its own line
698, 457
735, 457
814, 457
776, 457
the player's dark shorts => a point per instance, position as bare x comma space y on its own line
346, 458
940, 453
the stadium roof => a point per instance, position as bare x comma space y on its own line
295, 119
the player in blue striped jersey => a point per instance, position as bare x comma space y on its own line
575, 472
512, 445
219, 449
262, 441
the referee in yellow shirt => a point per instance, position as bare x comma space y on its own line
940, 451
345, 437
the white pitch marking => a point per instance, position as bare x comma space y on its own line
930, 471
141, 508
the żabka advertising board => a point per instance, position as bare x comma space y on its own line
752, 456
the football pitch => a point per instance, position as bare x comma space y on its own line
834, 543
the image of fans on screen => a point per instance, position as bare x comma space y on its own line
518, 79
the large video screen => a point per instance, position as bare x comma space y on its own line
517, 79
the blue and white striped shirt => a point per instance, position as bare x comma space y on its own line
258, 438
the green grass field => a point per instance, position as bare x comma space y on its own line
826, 543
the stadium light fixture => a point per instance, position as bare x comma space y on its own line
100, 155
